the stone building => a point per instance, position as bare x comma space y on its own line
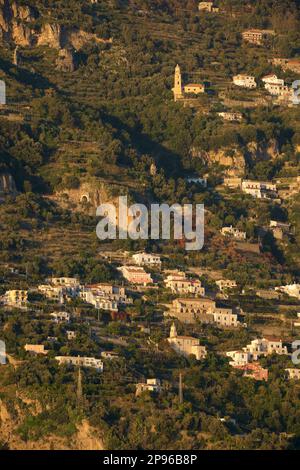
179, 91
136, 275
202, 310
244, 81
152, 385
186, 345
16, 298
257, 36
180, 284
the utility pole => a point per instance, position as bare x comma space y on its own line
180, 389
79, 394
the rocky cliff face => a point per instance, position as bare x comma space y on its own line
235, 160
232, 159
16, 24
86, 198
50, 35
86, 437
66, 61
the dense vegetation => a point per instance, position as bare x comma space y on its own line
112, 120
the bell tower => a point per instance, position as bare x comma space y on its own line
173, 331
177, 90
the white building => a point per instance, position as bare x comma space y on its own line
231, 116
260, 189
225, 317
110, 355
186, 345
60, 288
293, 290
71, 335
202, 310
55, 293
272, 78
208, 7
145, 259
35, 349
233, 232
265, 347
64, 281
256, 349
257, 36
98, 300
293, 374
277, 89
197, 180
89, 362
224, 284
15, 298
136, 275
239, 358
105, 296
152, 385
60, 317
245, 81
179, 284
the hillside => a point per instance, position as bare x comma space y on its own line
90, 115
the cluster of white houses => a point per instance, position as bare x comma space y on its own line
102, 295
256, 189
105, 296
260, 189
258, 348
246, 358
274, 85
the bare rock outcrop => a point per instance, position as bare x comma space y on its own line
235, 159
17, 25
79, 38
50, 35
231, 158
21, 34
259, 152
66, 60
14, 22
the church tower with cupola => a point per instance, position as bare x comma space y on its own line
177, 90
